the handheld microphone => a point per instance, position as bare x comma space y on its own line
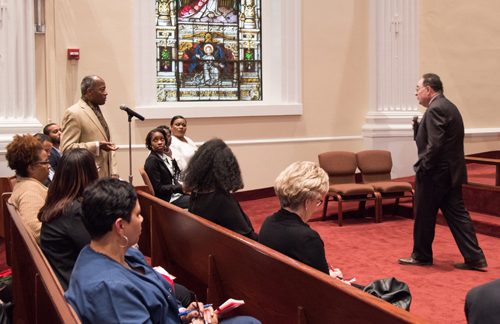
130, 112
415, 127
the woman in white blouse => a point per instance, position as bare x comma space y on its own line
183, 148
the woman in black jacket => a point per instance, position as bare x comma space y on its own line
212, 175
162, 169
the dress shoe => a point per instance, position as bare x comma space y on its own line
477, 264
413, 262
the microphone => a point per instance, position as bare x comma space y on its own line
415, 127
130, 112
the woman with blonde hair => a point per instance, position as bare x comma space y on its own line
300, 189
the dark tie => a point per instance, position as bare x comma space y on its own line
97, 111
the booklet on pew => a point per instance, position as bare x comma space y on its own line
230, 304
165, 274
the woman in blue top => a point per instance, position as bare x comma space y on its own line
111, 281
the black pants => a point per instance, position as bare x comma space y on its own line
432, 195
182, 201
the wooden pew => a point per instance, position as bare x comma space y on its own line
218, 264
6, 185
36, 292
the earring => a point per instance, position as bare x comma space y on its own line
122, 246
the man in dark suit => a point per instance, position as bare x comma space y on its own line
481, 303
440, 173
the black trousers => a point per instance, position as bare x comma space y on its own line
432, 195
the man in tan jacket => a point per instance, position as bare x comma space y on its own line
84, 126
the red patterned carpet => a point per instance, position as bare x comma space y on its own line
370, 251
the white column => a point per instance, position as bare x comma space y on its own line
17, 74
393, 77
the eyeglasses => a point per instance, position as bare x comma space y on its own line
43, 162
419, 88
319, 203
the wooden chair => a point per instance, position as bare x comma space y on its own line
341, 168
146, 180
375, 167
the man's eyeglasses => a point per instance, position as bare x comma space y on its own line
43, 162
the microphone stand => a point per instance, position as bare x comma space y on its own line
130, 177
131, 114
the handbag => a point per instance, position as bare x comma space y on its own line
391, 290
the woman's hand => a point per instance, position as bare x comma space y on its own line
208, 315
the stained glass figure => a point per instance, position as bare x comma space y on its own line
208, 50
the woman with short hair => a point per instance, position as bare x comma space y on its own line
112, 281
299, 188
212, 176
63, 234
183, 147
26, 156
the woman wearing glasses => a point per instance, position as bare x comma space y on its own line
299, 188
26, 156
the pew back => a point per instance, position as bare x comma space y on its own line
36, 292
220, 264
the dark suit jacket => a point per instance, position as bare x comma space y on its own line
440, 142
222, 208
481, 303
61, 241
54, 158
160, 177
285, 232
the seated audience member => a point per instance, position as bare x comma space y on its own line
183, 147
47, 146
162, 170
26, 156
481, 303
299, 188
111, 281
212, 175
63, 234
54, 132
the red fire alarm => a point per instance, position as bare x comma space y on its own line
73, 54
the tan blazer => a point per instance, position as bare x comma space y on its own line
81, 129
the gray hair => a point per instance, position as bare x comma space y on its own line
88, 83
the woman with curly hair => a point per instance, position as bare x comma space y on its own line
63, 234
212, 175
26, 156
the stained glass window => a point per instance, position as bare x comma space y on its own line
208, 50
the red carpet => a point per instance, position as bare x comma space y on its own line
370, 251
